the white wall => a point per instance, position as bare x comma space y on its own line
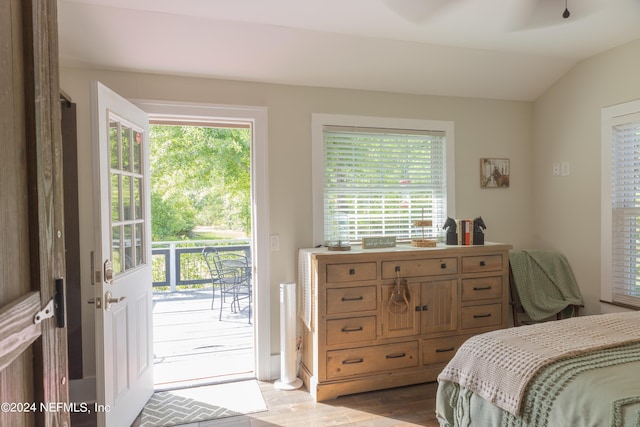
566, 126
483, 128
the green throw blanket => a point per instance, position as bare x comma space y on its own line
544, 282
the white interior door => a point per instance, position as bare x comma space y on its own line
123, 284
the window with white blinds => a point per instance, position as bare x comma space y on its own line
626, 211
376, 181
623, 133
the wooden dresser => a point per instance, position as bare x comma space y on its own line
359, 335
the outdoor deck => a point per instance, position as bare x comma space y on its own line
191, 346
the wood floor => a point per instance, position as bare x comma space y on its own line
403, 406
398, 407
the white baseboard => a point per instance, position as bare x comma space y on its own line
82, 390
275, 367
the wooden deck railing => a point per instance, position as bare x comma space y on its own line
180, 263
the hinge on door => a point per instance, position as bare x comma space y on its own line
55, 307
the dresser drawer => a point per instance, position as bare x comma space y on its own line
477, 264
440, 350
351, 272
480, 316
481, 288
420, 267
354, 329
351, 300
365, 360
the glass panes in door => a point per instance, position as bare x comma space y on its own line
127, 219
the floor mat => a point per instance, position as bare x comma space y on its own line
184, 406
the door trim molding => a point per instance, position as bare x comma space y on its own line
257, 116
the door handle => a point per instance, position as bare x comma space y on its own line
109, 299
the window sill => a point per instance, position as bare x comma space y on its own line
618, 304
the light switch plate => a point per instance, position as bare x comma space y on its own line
275, 242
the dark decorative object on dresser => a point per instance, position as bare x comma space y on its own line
452, 231
464, 231
478, 231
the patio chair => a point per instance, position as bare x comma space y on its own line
231, 273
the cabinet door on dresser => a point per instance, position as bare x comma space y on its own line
439, 309
400, 316
430, 307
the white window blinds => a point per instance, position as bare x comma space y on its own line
625, 199
378, 181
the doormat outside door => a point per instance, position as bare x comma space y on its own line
184, 406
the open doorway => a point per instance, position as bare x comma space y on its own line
207, 114
201, 204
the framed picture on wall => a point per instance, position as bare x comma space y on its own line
494, 173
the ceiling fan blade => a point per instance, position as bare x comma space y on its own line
419, 11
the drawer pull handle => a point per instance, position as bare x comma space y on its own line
396, 356
352, 271
444, 350
485, 288
347, 299
423, 308
483, 263
358, 329
352, 361
443, 265
479, 316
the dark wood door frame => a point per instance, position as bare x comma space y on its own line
72, 237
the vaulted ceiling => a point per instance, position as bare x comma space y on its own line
498, 49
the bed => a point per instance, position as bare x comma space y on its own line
582, 371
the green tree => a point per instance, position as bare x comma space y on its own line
171, 219
206, 171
